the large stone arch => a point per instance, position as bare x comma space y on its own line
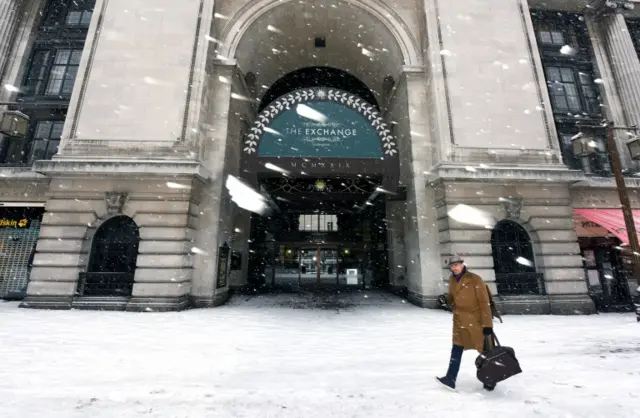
235, 30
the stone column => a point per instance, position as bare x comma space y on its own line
624, 62
422, 247
613, 107
9, 20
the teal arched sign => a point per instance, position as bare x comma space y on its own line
320, 123
321, 132
320, 129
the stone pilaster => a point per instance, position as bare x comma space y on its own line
395, 241
417, 151
10, 11
220, 156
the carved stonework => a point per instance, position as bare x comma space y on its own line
115, 202
24, 190
513, 206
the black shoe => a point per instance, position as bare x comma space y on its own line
489, 387
447, 382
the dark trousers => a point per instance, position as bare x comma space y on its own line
454, 362
454, 365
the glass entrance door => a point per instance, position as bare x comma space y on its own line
318, 266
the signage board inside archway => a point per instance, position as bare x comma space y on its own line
321, 131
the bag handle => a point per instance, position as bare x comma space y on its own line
495, 341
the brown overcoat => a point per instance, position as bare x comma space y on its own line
471, 310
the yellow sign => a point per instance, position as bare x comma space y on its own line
14, 223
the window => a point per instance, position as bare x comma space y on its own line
563, 89
571, 90
53, 72
318, 222
50, 75
46, 140
72, 13
551, 37
565, 50
38, 72
513, 260
80, 17
63, 72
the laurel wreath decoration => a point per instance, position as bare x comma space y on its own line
292, 99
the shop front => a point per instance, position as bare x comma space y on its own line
19, 231
603, 243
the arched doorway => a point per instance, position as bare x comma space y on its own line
112, 261
327, 159
513, 260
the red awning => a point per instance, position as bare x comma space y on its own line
611, 219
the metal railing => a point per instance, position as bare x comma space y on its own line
106, 284
514, 284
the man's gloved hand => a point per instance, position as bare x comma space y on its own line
487, 331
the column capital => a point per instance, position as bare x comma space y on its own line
608, 7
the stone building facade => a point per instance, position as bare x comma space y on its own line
140, 110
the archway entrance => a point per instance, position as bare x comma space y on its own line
328, 162
272, 59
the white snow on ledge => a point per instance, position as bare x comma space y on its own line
268, 357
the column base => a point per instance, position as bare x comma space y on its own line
209, 301
523, 305
423, 301
161, 304
47, 302
571, 305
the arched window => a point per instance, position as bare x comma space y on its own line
513, 260
112, 262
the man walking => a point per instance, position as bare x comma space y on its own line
472, 318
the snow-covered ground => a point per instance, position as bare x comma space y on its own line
269, 357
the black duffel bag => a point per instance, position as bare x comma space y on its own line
496, 364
